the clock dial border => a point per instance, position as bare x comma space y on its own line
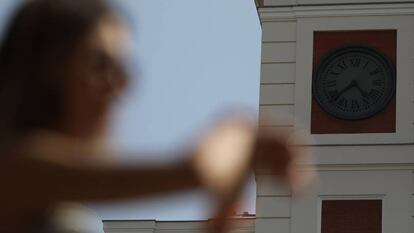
332, 56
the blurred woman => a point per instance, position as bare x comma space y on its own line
61, 71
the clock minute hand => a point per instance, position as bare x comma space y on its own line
351, 85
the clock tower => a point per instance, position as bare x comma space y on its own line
344, 71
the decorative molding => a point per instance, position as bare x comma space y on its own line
292, 13
259, 3
139, 226
348, 167
352, 197
150, 226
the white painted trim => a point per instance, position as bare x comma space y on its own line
111, 226
349, 167
352, 197
243, 224
366, 167
295, 12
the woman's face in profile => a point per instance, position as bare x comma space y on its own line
96, 72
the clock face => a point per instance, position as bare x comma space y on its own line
354, 83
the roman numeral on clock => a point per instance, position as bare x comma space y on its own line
378, 82
366, 65
334, 73
374, 94
331, 83
366, 102
354, 104
374, 72
343, 65
355, 62
343, 102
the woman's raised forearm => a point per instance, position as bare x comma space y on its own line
27, 181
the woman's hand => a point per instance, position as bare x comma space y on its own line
227, 155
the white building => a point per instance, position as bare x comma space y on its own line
345, 70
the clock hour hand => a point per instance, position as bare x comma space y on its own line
363, 93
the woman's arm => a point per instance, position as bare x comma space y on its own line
33, 183
219, 164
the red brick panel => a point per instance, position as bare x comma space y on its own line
351, 216
384, 41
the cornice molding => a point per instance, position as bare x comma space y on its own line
191, 226
259, 3
293, 13
349, 167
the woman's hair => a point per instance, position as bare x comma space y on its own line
36, 46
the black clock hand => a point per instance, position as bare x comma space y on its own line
351, 85
363, 93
